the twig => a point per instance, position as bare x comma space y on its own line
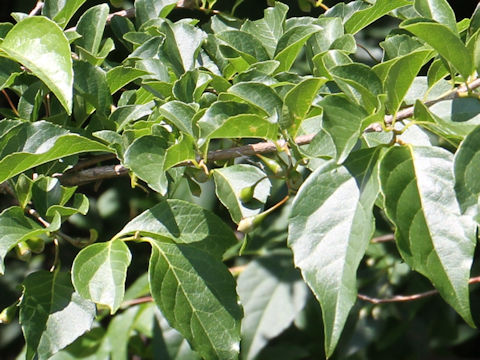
368, 53
129, 13
14, 109
92, 161
37, 8
383, 238
142, 300
405, 298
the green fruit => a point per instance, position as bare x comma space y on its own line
273, 166
23, 251
246, 194
37, 245
294, 180
248, 224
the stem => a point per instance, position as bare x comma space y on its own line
12, 106
36, 9
383, 238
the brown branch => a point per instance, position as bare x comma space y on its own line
405, 298
37, 8
10, 103
383, 238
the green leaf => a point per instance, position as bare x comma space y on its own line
9, 70
91, 84
99, 272
431, 234
184, 223
196, 294
15, 227
230, 181
259, 95
152, 9
438, 10
120, 76
180, 115
400, 77
445, 42
291, 43
458, 116
269, 29
267, 285
399, 45
466, 162
38, 143
183, 150
328, 240
362, 18
52, 314
40, 45
91, 26
61, 11
124, 115
342, 120
189, 88
145, 157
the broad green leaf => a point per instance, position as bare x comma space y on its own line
52, 315
437, 71
61, 11
33, 144
99, 272
40, 45
152, 9
91, 84
196, 294
290, 44
184, 223
145, 157
431, 234
230, 181
245, 125
399, 45
190, 86
15, 227
359, 82
9, 70
466, 165
79, 205
259, 95
438, 10
321, 41
362, 18
299, 99
445, 42
342, 121
91, 26
328, 240
180, 115
458, 116
267, 285
120, 76
124, 115
47, 191
269, 29
245, 44
183, 150
400, 77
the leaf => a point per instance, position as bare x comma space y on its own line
445, 42
328, 241
124, 115
431, 234
91, 26
180, 115
145, 157
438, 10
61, 11
362, 18
40, 142
15, 227
190, 86
342, 120
152, 9
120, 76
291, 43
40, 45
399, 45
400, 77
196, 294
466, 162
259, 95
183, 150
230, 181
458, 116
52, 314
266, 285
184, 223
99, 272
269, 29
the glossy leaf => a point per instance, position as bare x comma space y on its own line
120, 76
61, 11
334, 238
183, 150
364, 17
259, 95
124, 115
40, 45
230, 181
40, 142
445, 42
91, 25
265, 286
52, 314
180, 115
431, 234
196, 294
458, 116
184, 223
438, 10
99, 272
152, 9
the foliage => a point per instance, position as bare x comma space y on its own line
275, 165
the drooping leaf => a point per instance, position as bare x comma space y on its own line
40, 45
196, 294
431, 234
52, 314
32, 144
230, 181
265, 286
328, 240
99, 272
184, 223
91, 26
